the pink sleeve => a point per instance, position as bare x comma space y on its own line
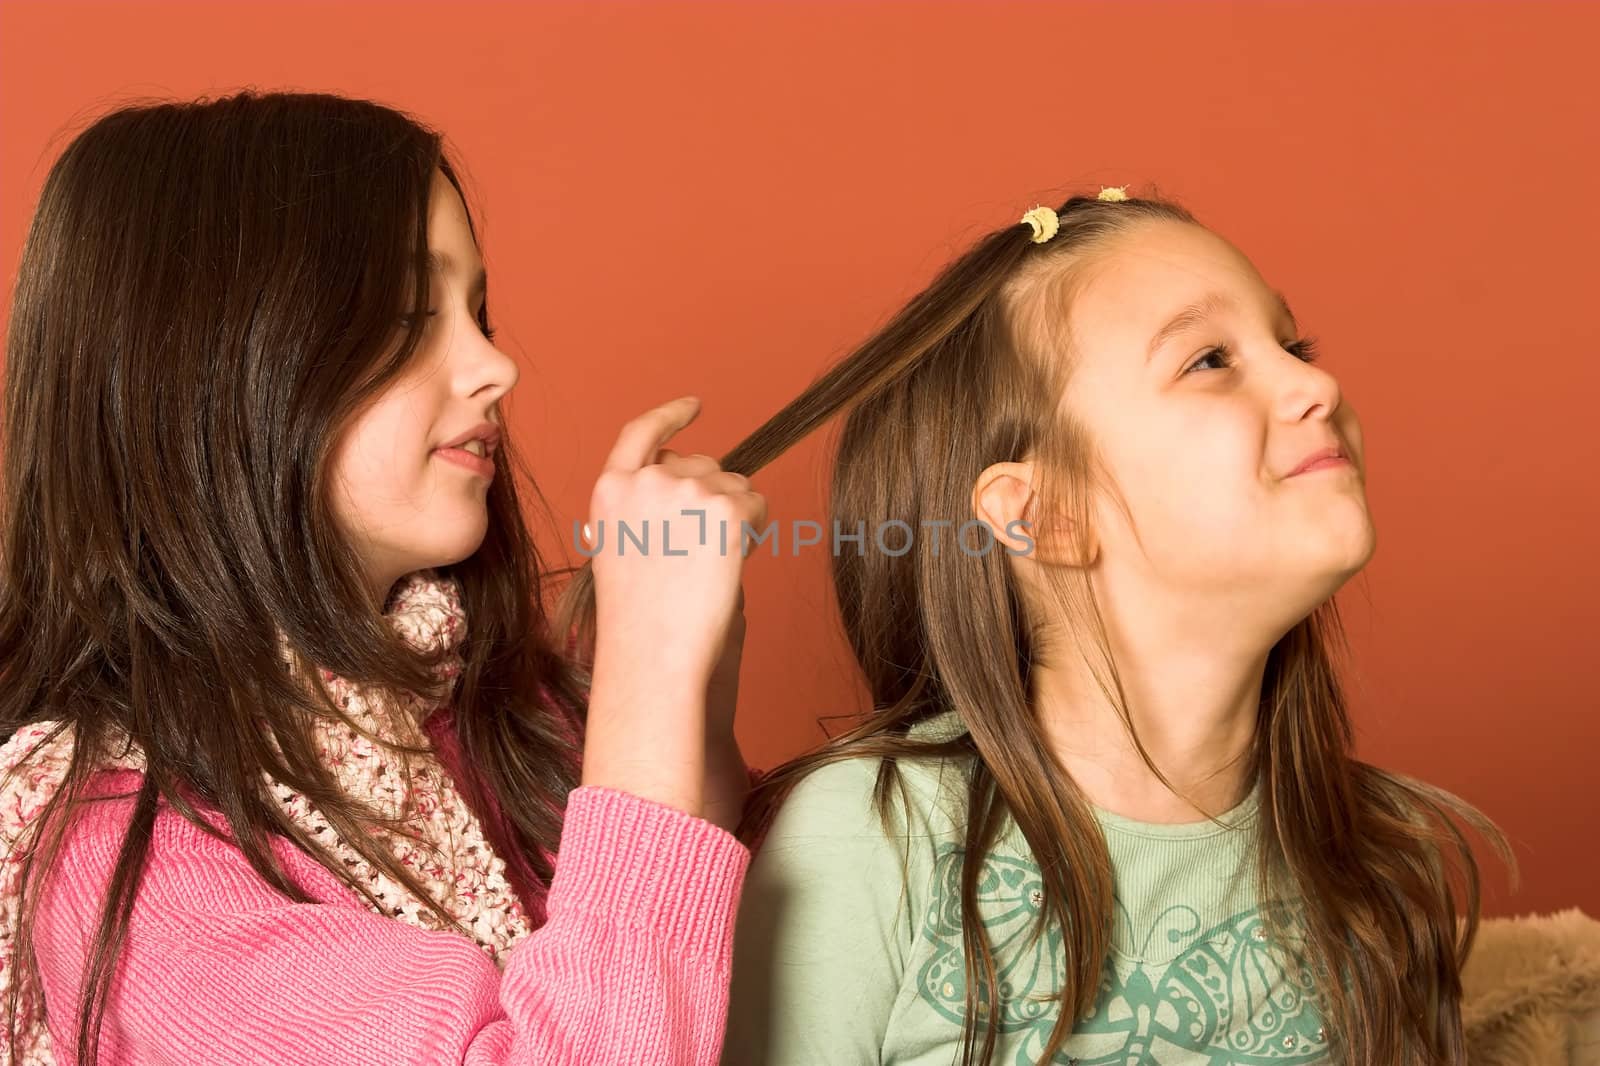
631, 966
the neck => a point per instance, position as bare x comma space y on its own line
1193, 705
381, 583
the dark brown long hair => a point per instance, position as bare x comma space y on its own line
966, 372
209, 291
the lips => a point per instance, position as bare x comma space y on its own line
473, 450
1322, 457
481, 440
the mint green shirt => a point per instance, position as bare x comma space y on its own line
848, 949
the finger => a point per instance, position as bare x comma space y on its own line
641, 438
724, 483
758, 509
751, 509
691, 466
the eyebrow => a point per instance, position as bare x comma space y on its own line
440, 263
1198, 312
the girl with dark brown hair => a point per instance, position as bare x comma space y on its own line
294, 767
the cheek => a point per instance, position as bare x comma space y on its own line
376, 474
1192, 479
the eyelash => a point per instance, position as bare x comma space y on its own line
488, 331
1303, 349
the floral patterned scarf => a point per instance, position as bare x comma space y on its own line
450, 855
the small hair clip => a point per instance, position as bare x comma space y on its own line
1113, 193
1043, 222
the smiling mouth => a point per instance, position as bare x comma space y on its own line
1328, 457
1327, 462
474, 448
471, 456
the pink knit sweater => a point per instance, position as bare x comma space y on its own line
630, 966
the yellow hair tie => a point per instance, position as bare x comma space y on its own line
1044, 223
1114, 194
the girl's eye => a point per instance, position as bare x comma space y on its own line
1217, 355
1220, 358
1304, 349
406, 320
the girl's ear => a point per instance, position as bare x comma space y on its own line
1004, 498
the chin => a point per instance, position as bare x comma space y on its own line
1343, 561
464, 540
1344, 536
1337, 553
1359, 544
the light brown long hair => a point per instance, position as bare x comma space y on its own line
209, 291
965, 372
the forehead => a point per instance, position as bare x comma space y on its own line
1140, 279
448, 230
452, 253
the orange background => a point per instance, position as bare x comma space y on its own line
720, 199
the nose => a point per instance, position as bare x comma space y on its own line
483, 372
1306, 390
